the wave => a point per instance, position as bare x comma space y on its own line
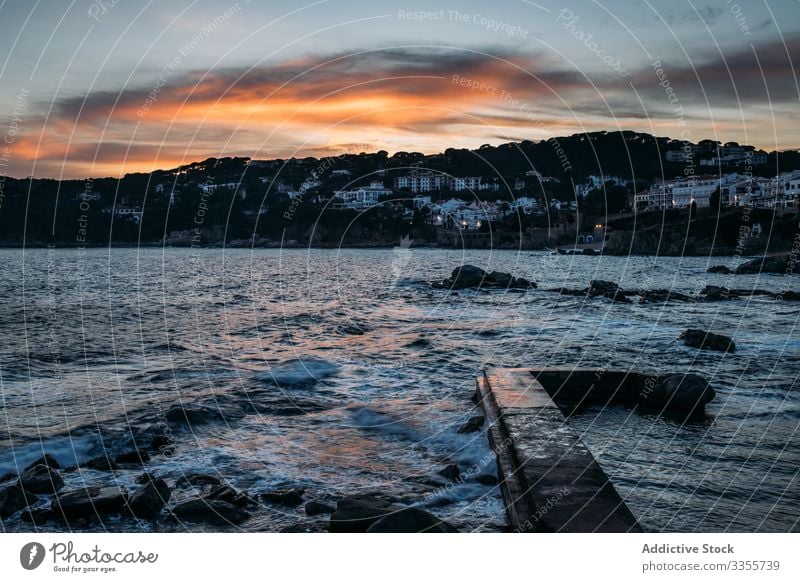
299, 372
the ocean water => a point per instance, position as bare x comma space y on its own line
341, 372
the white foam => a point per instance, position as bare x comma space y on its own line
68, 451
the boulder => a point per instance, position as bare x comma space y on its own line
288, 497
411, 520
722, 269
498, 279
132, 458
230, 495
101, 464
14, 498
41, 479
474, 424
472, 277
357, 513
705, 340
681, 391
47, 460
197, 480
781, 264
37, 516
466, 276
451, 472
317, 508
149, 499
211, 511
89, 502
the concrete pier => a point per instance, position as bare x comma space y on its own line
550, 481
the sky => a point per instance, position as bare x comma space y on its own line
103, 88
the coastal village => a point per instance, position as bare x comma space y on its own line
525, 194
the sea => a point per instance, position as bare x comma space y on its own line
341, 371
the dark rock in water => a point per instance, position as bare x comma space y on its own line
715, 293
101, 464
352, 329
211, 511
681, 391
606, 289
14, 498
466, 276
191, 414
789, 295
89, 502
419, 343
47, 460
132, 458
153, 438
39, 516
231, 495
776, 264
149, 499
662, 296
500, 279
197, 480
317, 508
355, 514
474, 424
411, 520
288, 497
720, 269
487, 479
697, 338
8, 477
451, 472
41, 479
472, 277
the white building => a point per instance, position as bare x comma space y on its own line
364, 196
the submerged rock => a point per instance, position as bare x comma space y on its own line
606, 289
231, 495
288, 497
411, 520
89, 502
357, 513
720, 269
132, 458
197, 480
13, 498
663, 295
474, 424
781, 264
705, 340
451, 472
211, 511
41, 479
149, 499
681, 391
101, 464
